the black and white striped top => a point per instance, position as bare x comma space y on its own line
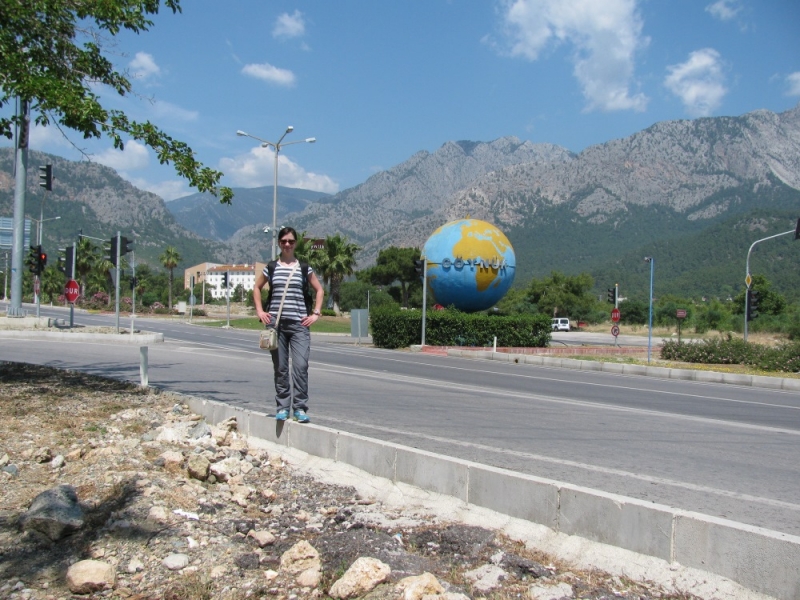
294, 307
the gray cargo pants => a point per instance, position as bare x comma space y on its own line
293, 340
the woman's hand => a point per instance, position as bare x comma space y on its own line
264, 317
309, 320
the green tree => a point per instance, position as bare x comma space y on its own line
51, 56
769, 302
170, 259
87, 257
395, 265
52, 283
333, 263
563, 295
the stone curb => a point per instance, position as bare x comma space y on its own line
137, 339
759, 559
761, 381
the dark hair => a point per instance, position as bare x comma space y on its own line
286, 230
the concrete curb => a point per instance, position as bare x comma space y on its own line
758, 559
776, 383
137, 339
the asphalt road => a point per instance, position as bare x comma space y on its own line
721, 450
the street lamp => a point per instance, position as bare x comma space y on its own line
652, 262
39, 223
277, 147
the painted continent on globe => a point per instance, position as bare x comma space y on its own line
471, 264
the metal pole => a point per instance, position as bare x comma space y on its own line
748, 279
72, 276
424, 295
133, 289
275, 204
228, 296
116, 287
650, 318
20, 186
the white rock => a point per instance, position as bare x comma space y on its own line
135, 565
87, 576
176, 562
550, 592
414, 588
262, 538
486, 578
363, 576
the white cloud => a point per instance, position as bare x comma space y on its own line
44, 138
793, 80
605, 37
168, 190
699, 82
270, 74
135, 156
724, 10
166, 110
256, 169
289, 26
144, 67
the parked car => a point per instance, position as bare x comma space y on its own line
561, 324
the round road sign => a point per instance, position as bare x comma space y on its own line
72, 291
615, 331
615, 315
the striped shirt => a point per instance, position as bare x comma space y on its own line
294, 307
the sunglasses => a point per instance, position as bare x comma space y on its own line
287, 241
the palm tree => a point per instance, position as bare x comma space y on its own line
333, 263
87, 257
170, 260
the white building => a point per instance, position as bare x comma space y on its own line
244, 275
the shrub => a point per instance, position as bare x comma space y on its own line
392, 328
728, 351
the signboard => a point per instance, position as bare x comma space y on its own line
72, 291
615, 330
680, 313
615, 315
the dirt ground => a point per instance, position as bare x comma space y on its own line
111, 441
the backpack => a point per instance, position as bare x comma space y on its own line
306, 292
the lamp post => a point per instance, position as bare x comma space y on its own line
652, 262
276, 146
39, 227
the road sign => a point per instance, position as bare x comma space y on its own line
72, 291
615, 330
615, 315
680, 313
748, 280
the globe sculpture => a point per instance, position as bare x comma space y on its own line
471, 264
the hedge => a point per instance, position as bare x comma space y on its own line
727, 351
393, 328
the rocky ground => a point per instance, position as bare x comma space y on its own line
147, 501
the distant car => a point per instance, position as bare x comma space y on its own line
561, 325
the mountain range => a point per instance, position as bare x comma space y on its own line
693, 194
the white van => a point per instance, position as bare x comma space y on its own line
560, 324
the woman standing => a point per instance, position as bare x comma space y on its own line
294, 337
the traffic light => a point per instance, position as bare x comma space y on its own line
125, 246
225, 280
797, 230
419, 266
134, 282
612, 295
41, 261
752, 304
33, 259
46, 177
112, 252
65, 262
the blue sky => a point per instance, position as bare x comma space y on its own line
375, 82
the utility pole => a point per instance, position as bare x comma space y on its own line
20, 185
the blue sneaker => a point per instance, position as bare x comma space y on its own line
282, 415
301, 417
